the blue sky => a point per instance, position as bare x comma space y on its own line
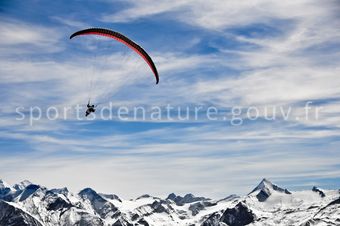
222, 54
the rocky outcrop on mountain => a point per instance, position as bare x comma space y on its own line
13, 216
197, 207
321, 193
239, 215
6, 192
188, 198
213, 220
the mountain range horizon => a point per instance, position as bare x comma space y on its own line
29, 204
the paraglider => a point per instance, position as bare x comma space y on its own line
123, 39
126, 41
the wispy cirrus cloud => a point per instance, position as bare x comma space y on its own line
21, 37
219, 15
283, 67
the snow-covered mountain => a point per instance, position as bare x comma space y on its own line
30, 204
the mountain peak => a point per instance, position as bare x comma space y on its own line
87, 192
22, 185
262, 185
3, 184
171, 196
266, 188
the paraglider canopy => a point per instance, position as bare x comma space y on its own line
123, 39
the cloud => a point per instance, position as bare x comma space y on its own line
152, 175
218, 15
70, 22
277, 86
280, 70
21, 37
143, 8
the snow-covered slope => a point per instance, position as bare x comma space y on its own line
26, 203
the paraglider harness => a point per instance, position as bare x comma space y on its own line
90, 109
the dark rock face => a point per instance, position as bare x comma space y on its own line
195, 208
144, 196
29, 190
143, 222
277, 188
158, 207
4, 192
188, 198
12, 216
122, 222
213, 220
59, 204
172, 196
263, 195
63, 191
134, 217
237, 216
54, 199
321, 193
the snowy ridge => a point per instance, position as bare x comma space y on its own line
26, 203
